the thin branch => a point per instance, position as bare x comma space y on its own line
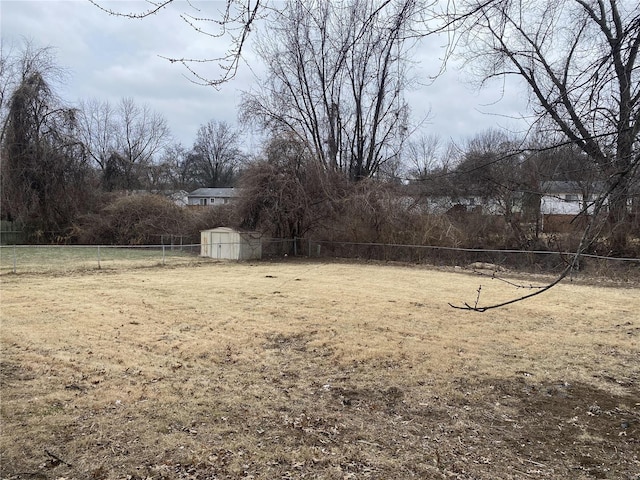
56, 458
475, 308
146, 13
493, 276
229, 63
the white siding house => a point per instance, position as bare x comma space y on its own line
179, 197
213, 196
567, 198
228, 244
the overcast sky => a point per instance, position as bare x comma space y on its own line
109, 58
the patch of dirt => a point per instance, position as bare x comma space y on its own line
360, 426
570, 427
12, 373
280, 341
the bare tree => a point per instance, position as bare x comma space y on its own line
98, 130
173, 170
141, 134
216, 158
336, 74
424, 155
45, 178
579, 59
123, 140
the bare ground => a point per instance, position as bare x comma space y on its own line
336, 371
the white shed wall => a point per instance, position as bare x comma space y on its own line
227, 244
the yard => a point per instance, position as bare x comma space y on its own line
314, 370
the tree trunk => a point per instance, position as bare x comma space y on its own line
618, 217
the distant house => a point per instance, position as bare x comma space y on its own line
451, 200
213, 196
564, 198
568, 197
179, 197
478, 204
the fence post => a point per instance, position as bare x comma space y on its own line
295, 246
98, 257
163, 254
14, 258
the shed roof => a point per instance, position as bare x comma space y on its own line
231, 230
220, 229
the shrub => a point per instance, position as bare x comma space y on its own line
132, 220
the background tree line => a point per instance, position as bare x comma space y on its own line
64, 161
340, 157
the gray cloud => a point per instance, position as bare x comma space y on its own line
112, 57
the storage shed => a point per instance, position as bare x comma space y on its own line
229, 244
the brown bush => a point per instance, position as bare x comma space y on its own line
371, 212
132, 220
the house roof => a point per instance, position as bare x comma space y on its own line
216, 192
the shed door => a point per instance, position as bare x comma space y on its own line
221, 246
216, 244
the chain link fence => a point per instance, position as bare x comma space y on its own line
27, 258
64, 258
547, 262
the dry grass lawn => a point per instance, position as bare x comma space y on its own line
314, 370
